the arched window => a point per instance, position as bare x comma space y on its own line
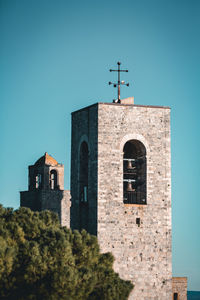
53, 179
83, 186
38, 181
134, 172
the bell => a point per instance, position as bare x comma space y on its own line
129, 187
129, 165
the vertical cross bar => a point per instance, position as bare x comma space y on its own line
118, 81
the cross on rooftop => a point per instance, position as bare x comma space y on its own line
118, 82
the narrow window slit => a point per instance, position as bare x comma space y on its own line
138, 221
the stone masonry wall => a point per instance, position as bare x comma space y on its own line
55, 200
30, 199
179, 285
45, 172
84, 129
142, 254
65, 209
58, 202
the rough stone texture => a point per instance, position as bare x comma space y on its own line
44, 197
65, 209
54, 200
142, 254
45, 172
84, 129
179, 286
129, 100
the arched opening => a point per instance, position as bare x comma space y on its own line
38, 181
175, 296
53, 179
83, 186
134, 172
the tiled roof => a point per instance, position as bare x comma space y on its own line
46, 159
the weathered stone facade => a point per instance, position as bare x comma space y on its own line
142, 253
84, 129
179, 287
138, 235
46, 189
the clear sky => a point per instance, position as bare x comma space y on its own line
54, 59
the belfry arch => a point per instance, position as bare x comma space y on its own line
134, 172
53, 179
38, 181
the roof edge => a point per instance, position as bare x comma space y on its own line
137, 105
120, 104
86, 107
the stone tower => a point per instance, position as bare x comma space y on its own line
121, 189
46, 189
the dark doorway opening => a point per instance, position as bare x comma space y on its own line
175, 296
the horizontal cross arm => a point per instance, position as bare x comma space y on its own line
118, 70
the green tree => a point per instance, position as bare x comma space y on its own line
39, 259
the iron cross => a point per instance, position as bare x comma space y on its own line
118, 82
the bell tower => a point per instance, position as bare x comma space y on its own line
46, 189
121, 189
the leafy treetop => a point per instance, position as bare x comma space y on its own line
39, 259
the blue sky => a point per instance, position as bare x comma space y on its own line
54, 59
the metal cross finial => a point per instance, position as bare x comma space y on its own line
118, 82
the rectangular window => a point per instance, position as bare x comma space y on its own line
175, 296
138, 221
85, 196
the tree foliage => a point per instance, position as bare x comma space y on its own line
39, 259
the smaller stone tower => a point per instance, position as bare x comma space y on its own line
46, 189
